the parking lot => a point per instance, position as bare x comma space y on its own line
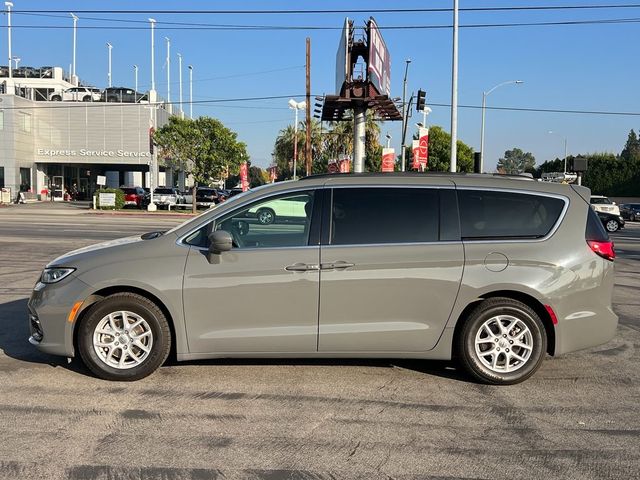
577, 418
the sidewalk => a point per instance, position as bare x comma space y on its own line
84, 208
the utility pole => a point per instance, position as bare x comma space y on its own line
168, 62
109, 47
9, 5
359, 136
153, 68
307, 142
405, 110
73, 68
180, 84
191, 92
454, 92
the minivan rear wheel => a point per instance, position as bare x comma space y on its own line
502, 342
124, 337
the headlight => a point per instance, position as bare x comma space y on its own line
54, 275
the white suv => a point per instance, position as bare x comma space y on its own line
77, 94
602, 204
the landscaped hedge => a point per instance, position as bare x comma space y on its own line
119, 198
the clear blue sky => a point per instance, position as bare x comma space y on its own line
574, 67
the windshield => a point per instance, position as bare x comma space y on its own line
600, 201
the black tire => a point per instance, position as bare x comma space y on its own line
612, 225
56, 98
112, 99
138, 305
86, 98
487, 311
266, 216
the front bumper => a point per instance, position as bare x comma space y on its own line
48, 311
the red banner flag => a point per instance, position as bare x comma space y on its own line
388, 159
415, 147
423, 148
273, 173
244, 176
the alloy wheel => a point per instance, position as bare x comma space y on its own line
122, 340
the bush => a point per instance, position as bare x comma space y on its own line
119, 198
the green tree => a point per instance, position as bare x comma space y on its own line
631, 150
203, 148
440, 152
284, 151
516, 161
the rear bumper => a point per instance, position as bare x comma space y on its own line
585, 329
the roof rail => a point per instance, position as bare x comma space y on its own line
522, 176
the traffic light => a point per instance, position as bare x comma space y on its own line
422, 95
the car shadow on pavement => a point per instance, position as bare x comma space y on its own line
14, 338
438, 368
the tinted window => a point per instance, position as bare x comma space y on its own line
595, 230
490, 214
384, 215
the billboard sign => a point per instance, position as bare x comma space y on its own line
342, 57
379, 67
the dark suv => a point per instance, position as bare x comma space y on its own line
123, 95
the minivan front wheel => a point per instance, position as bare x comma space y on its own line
502, 342
124, 337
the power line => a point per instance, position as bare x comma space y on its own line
273, 97
338, 11
631, 20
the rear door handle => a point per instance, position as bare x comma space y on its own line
340, 265
301, 267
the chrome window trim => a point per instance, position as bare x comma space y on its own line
214, 217
261, 249
553, 230
394, 244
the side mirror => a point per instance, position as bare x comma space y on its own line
220, 241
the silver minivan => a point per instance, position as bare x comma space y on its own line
493, 271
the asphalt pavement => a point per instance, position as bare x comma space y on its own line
577, 418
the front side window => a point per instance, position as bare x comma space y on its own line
279, 221
504, 215
384, 215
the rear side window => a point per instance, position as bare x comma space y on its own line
504, 215
384, 215
595, 230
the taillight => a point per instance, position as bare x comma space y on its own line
604, 249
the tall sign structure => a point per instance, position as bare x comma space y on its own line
361, 84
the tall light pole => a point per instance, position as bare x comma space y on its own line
191, 92
153, 61
109, 47
135, 76
16, 61
404, 113
75, 28
180, 84
454, 92
9, 5
484, 105
296, 106
168, 61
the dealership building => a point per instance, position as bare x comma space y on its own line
51, 150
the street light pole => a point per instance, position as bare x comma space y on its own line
153, 69
404, 113
180, 84
296, 106
565, 151
484, 105
109, 47
454, 92
191, 92
75, 27
9, 5
168, 72
135, 75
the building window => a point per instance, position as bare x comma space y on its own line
26, 123
25, 179
1, 175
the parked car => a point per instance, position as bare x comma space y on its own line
77, 94
610, 221
166, 196
123, 95
630, 211
134, 196
603, 204
281, 210
494, 272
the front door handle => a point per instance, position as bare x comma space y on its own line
340, 265
301, 267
